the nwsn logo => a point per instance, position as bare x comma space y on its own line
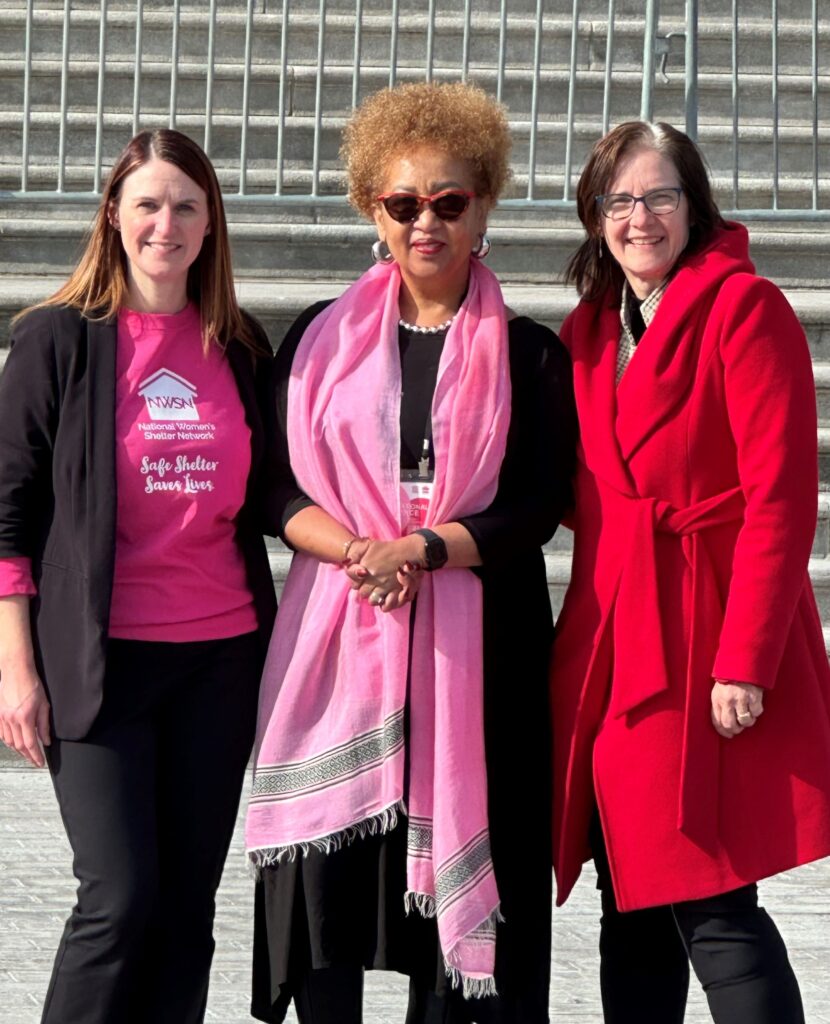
169, 396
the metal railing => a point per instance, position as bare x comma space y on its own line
266, 85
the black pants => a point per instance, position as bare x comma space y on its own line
334, 995
735, 949
149, 801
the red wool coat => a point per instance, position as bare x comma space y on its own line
695, 514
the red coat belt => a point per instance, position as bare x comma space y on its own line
633, 622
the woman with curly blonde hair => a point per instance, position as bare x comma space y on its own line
399, 808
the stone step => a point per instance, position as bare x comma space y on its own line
821, 372
821, 541
716, 100
277, 307
755, 154
793, 254
558, 565
754, 190
593, 9
824, 457
714, 49
277, 303
755, 144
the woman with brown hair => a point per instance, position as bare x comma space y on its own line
135, 424
403, 754
690, 686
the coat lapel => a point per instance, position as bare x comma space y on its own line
593, 333
661, 375
101, 492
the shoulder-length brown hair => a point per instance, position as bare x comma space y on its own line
596, 274
98, 286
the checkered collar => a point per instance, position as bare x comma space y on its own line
648, 308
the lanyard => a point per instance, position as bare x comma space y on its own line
427, 454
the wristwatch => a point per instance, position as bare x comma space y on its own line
435, 553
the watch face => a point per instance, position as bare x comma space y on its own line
436, 552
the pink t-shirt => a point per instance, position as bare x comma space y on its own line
183, 454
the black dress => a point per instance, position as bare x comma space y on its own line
346, 908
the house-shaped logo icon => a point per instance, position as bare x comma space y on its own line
169, 396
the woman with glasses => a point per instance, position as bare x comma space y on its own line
398, 811
690, 685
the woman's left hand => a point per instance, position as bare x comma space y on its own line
735, 706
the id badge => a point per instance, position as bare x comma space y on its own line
416, 494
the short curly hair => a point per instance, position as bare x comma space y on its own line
452, 116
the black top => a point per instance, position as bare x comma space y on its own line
346, 908
534, 486
635, 316
420, 356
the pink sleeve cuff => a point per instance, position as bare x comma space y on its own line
16, 577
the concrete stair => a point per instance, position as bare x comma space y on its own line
755, 145
558, 562
286, 256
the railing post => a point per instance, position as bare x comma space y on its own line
430, 61
393, 43
736, 99
281, 112
465, 46
649, 46
776, 160
569, 128
210, 75
609, 61
318, 100
99, 106
691, 69
174, 64
27, 100
534, 103
246, 99
814, 96
358, 29
139, 47
502, 50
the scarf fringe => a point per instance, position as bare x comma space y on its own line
420, 901
471, 988
383, 821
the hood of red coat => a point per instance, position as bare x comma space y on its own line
661, 375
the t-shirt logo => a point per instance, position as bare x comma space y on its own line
169, 396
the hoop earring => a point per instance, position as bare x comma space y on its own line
484, 246
381, 253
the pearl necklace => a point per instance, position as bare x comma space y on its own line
426, 330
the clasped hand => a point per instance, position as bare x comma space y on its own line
384, 573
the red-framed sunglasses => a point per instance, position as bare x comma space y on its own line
405, 207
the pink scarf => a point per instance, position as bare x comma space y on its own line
330, 740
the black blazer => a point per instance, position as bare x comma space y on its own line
58, 493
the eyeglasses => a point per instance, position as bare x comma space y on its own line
620, 205
405, 207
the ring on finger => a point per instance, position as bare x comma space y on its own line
377, 597
745, 717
